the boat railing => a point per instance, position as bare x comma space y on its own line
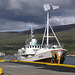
32, 46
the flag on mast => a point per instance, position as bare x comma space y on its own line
46, 7
55, 7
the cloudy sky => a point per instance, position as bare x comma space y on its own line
17, 15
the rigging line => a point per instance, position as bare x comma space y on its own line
55, 35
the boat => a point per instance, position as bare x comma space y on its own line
51, 53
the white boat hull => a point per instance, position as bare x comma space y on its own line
48, 56
38, 57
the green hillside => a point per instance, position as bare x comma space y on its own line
11, 42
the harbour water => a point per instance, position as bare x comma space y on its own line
70, 60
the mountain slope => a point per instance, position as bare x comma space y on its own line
11, 41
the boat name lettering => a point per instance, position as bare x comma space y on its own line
40, 56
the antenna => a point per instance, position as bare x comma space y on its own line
32, 32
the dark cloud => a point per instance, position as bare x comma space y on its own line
16, 12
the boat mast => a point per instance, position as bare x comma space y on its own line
31, 32
47, 29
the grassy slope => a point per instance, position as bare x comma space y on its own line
67, 38
10, 42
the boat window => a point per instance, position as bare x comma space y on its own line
53, 47
38, 46
35, 46
30, 46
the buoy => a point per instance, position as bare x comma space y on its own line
0, 71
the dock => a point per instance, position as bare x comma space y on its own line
26, 68
18, 67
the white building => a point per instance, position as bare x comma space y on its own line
2, 54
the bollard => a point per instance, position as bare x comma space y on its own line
0, 71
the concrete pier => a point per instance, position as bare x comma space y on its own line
21, 68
